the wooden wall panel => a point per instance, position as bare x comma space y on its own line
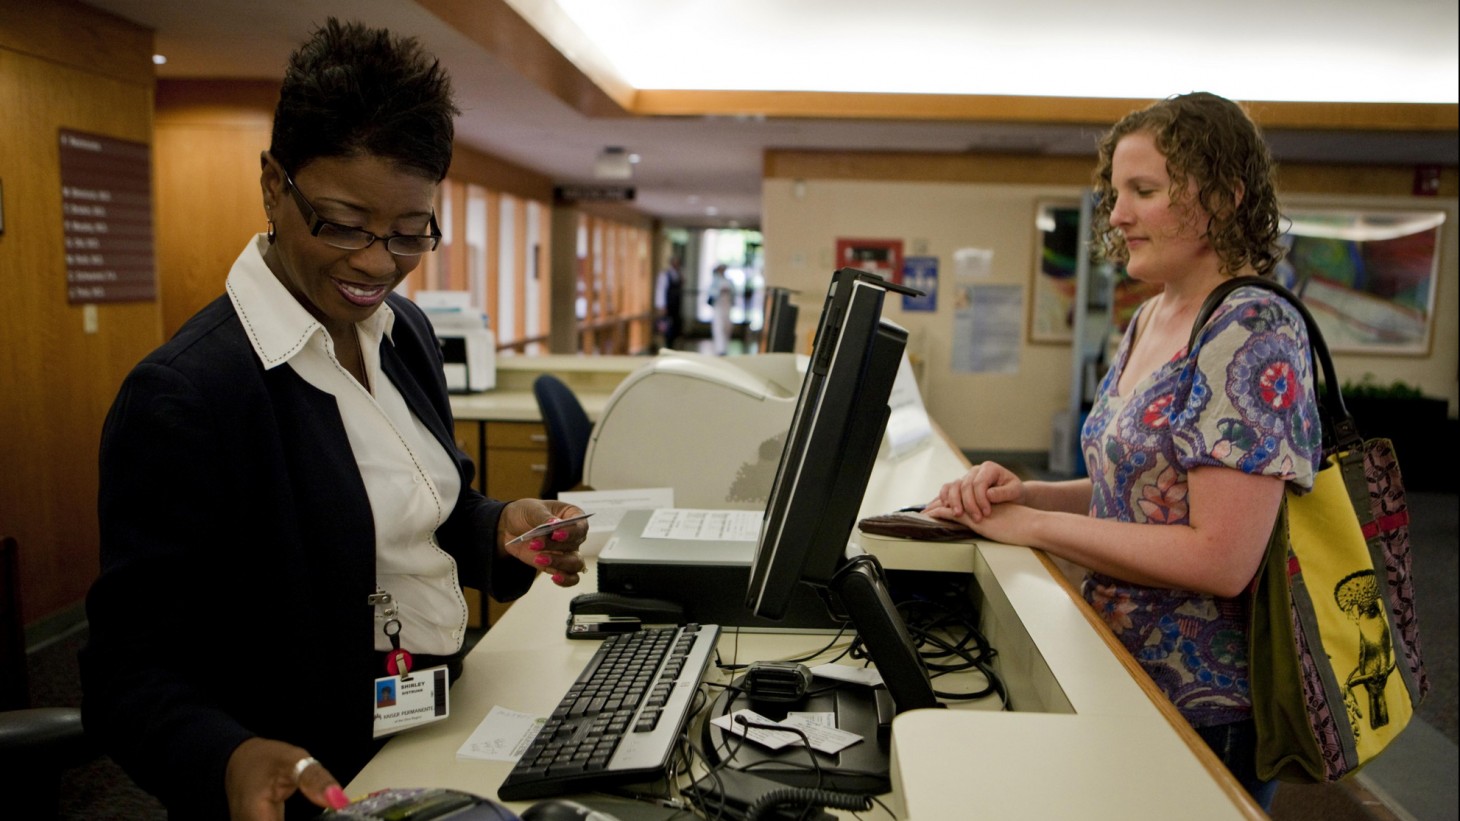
494, 263
59, 380
520, 264
1033, 169
996, 108
209, 137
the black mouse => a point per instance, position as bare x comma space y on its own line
564, 809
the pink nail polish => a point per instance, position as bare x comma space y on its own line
535, 544
557, 578
336, 797
560, 535
543, 561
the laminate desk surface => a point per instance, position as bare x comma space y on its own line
511, 405
592, 379
1086, 739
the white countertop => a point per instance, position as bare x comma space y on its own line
1088, 725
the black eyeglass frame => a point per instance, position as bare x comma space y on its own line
316, 225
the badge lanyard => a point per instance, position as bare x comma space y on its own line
402, 700
398, 660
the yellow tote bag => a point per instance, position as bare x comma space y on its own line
1334, 660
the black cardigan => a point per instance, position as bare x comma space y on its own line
237, 552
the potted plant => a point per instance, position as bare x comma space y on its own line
1415, 423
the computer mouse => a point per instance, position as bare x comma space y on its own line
564, 809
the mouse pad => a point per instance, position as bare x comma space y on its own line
908, 524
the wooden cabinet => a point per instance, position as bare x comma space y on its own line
513, 462
516, 459
469, 439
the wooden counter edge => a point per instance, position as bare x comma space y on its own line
1214, 766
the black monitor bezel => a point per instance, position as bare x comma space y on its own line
842, 410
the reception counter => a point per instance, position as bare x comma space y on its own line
1087, 734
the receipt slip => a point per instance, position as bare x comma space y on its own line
824, 737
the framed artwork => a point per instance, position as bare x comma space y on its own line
1127, 294
1367, 276
875, 256
1056, 246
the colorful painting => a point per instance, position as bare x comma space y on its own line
1368, 277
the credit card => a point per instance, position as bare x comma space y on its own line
549, 527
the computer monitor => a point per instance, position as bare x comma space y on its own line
779, 333
836, 431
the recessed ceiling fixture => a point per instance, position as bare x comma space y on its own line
613, 163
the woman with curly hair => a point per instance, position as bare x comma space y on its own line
1187, 452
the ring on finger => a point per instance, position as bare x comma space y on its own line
301, 765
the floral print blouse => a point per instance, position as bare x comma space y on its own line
1245, 401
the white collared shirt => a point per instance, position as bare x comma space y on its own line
411, 481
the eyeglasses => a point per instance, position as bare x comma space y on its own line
353, 239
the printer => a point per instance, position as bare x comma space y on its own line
710, 427
467, 344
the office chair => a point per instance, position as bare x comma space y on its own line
568, 430
36, 744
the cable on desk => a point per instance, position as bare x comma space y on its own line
948, 641
735, 655
781, 728
803, 798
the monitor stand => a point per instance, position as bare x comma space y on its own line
862, 768
860, 588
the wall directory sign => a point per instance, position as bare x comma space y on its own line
106, 212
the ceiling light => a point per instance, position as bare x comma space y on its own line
613, 163
159, 59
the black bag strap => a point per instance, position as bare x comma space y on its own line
1339, 431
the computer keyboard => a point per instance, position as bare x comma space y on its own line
620, 721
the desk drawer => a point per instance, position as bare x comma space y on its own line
528, 435
516, 456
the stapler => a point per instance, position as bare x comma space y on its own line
597, 615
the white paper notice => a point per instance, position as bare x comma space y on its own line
987, 328
688, 524
973, 264
502, 736
611, 505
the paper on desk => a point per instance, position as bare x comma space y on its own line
611, 505
823, 737
502, 736
691, 524
845, 672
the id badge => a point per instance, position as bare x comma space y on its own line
404, 703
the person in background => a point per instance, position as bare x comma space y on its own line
721, 299
1188, 451
668, 302
286, 460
